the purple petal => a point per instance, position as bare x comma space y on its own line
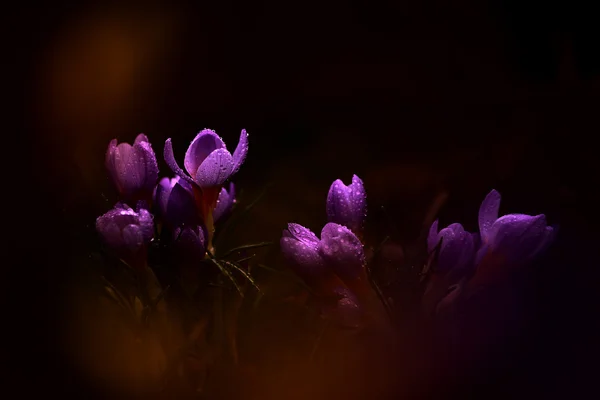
191, 240
148, 164
141, 138
433, 238
146, 224
109, 231
181, 207
133, 238
128, 168
518, 236
109, 161
549, 235
303, 258
201, 147
342, 250
224, 203
488, 213
241, 151
172, 163
161, 194
346, 205
303, 234
215, 169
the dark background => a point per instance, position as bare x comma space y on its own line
414, 97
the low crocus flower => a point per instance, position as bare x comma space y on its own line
190, 241
174, 201
457, 248
133, 169
516, 238
347, 205
332, 266
225, 203
127, 233
454, 261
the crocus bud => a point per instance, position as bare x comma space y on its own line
225, 203
126, 232
207, 161
299, 246
342, 251
347, 205
175, 203
190, 241
133, 169
516, 237
457, 248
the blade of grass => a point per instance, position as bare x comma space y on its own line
246, 247
226, 272
244, 273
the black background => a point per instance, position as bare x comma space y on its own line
414, 97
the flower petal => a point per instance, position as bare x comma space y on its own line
141, 138
148, 165
433, 238
191, 240
517, 236
303, 258
224, 203
488, 213
146, 224
241, 151
203, 144
109, 162
347, 205
342, 250
181, 207
215, 169
172, 163
303, 234
133, 238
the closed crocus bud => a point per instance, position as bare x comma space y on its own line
126, 232
300, 247
225, 203
342, 251
347, 205
457, 249
133, 169
207, 161
190, 242
514, 237
174, 202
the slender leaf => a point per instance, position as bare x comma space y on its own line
244, 273
226, 272
246, 247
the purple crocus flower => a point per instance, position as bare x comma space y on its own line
516, 237
174, 202
133, 169
225, 203
342, 251
126, 232
347, 205
300, 246
457, 248
207, 161
190, 241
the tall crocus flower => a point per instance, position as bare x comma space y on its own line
133, 169
515, 238
347, 205
225, 203
190, 241
127, 232
174, 201
208, 164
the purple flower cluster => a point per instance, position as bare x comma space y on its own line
187, 205
334, 264
473, 259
